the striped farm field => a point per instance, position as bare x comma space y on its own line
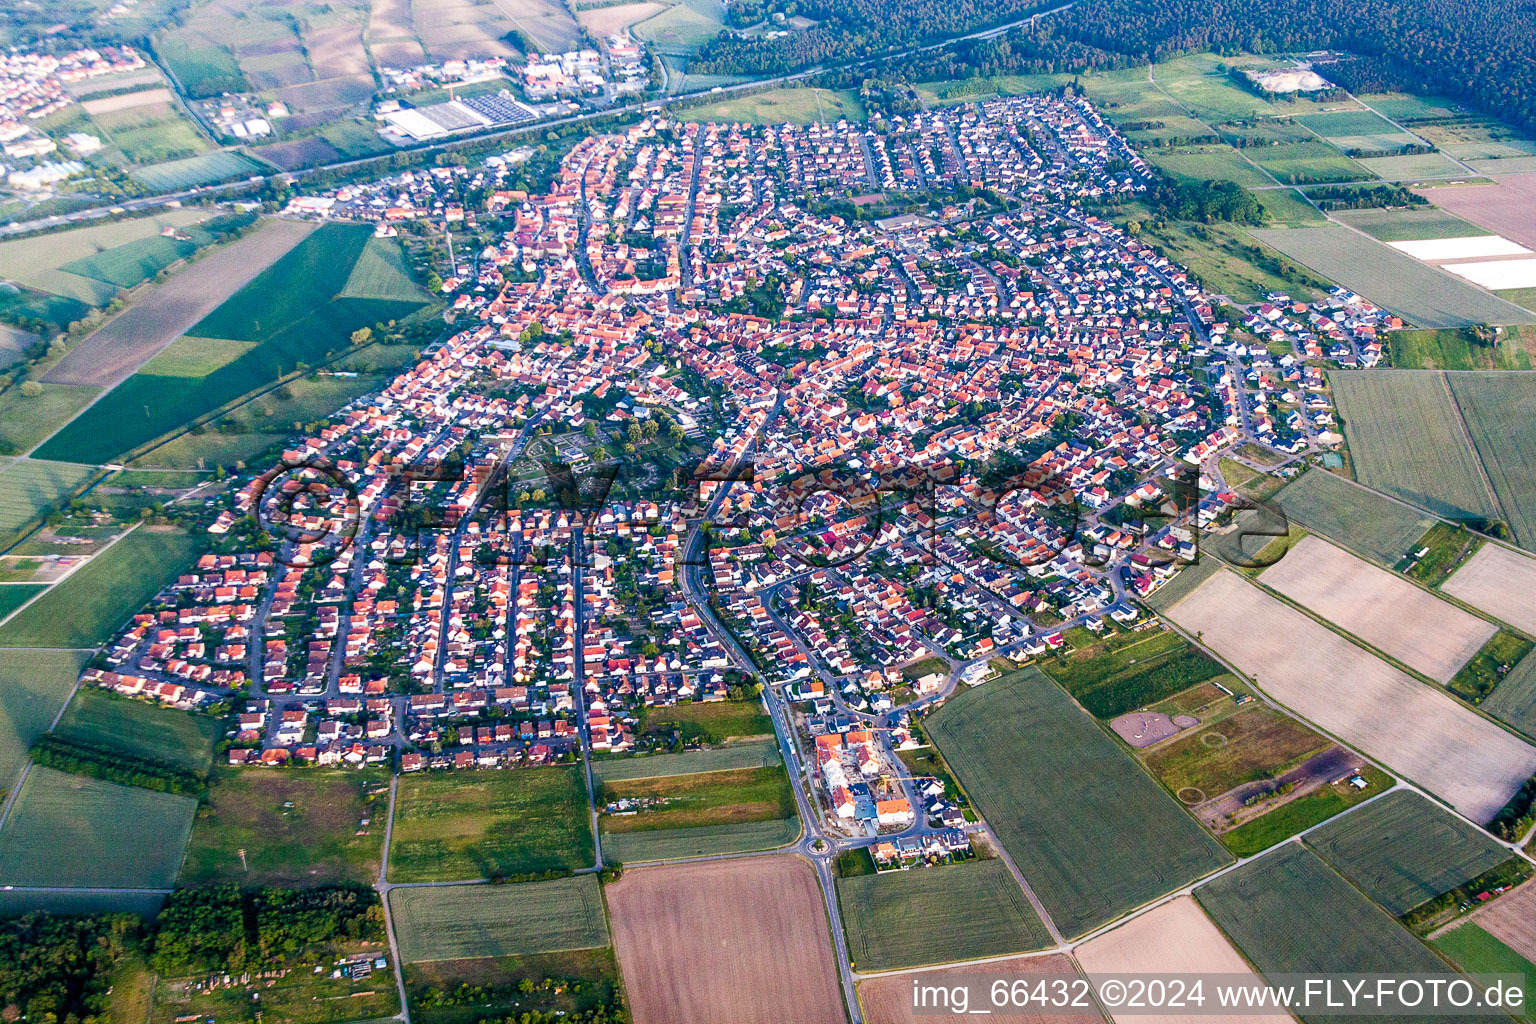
1408, 225
456, 922
1368, 524
29, 487
702, 841
1500, 412
892, 917
1409, 726
746, 754
1406, 622
1092, 832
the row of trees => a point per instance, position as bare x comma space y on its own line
112, 765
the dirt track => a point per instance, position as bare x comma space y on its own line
745, 941
169, 309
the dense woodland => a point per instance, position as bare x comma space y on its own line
226, 928
58, 969
1476, 52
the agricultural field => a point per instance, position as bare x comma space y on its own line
1130, 671
455, 922
1454, 348
1094, 835
728, 797
68, 830
467, 825
701, 841
138, 729
1445, 549
778, 106
14, 595
1499, 581
888, 1000
1412, 728
1365, 522
306, 321
1176, 938
29, 488
1499, 658
1406, 439
1232, 262
1419, 293
1208, 163
1500, 414
891, 918
1512, 920
381, 273
1309, 163
1411, 166
683, 28
1402, 851
744, 754
121, 345
1477, 952
33, 688
25, 420
1300, 813
712, 722
1289, 913
86, 609
758, 923
1507, 207
81, 902
595, 970
1404, 621
190, 172
293, 828
1408, 225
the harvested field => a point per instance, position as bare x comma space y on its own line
127, 101
1365, 522
1405, 438
1176, 938
1414, 729
117, 349
1380, 607
1094, 835
892, 917
889, 1000
1402, 850
1289, 913
758, 923
605, 21
1512, 920
452, 922
1415, 291
1508, 206
1500, 414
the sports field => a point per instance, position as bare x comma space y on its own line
891, 917
453, 922
293, 312
1499, 581
1289, 913
746, 941
87, 608
1405, 438
292, 827
1095, 835
1420, 294
703, 841
465, 825
1411, 727
1402, 850
29, 488
1404, 621
1365, 522
746, 754
33, 688
1500, 413
68, 830
98, 718
1176, 938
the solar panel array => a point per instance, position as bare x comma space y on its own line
500, 109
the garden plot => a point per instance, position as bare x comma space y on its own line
1381, 608
1432, 250
1500, 581
1414, 729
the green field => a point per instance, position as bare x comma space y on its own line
1454, 348
1446, 548
195, 357
1094, 835
1208, 163
33, 688
29, 488
778, 106
294, 827
455, 922
711, 722
293, 312
204, 70
681, 28
144, 904
975, 909
467, 825
68, 830
1403, 850
589, 977
1302, 813
136, 728
1130, 673
1500, 411
380, 273
1290, 914
1409, 225
1420, 294
1413, 165
26, 420
14, 595
1309, 163
704, 841
1346, 122
86, 609
1514, 701
1375, 527
1477, 952
1405, 439
730, 797
203, 169
745, 754
1255, 743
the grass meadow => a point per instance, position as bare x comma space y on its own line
456, 922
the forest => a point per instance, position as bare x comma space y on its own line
226, 928
58, 969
